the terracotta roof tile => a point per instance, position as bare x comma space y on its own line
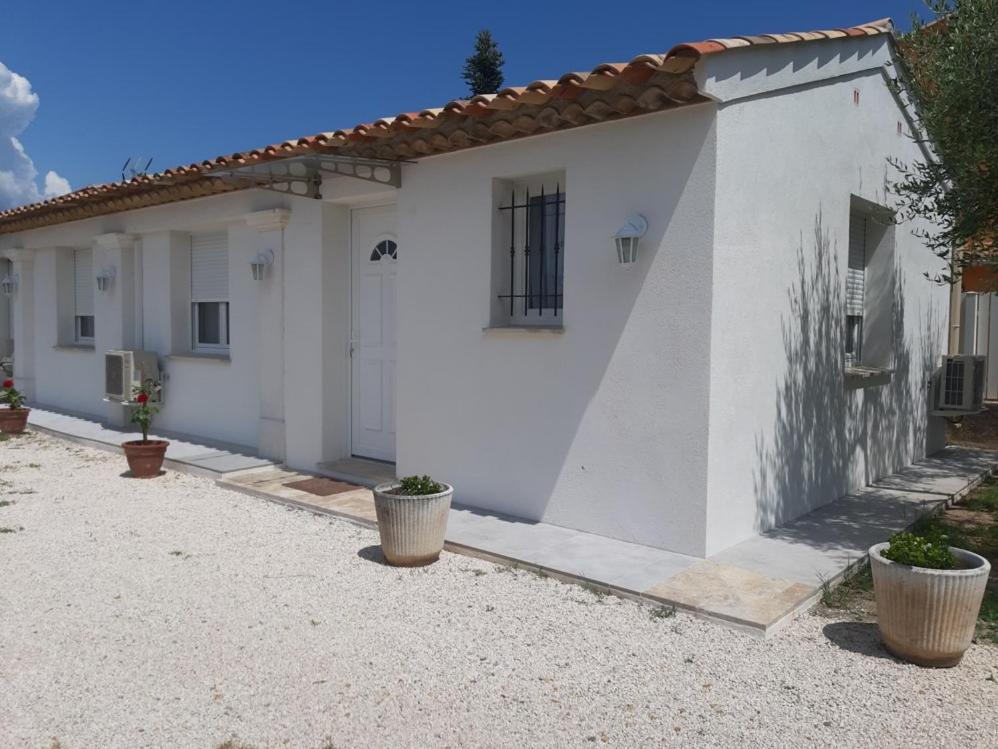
645, 83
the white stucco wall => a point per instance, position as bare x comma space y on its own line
283, 390
5, 313
602, 427
786, 434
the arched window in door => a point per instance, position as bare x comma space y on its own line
385, 248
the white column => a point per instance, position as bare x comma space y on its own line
23, 320
114, 308
269, 227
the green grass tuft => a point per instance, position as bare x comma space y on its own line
662, 612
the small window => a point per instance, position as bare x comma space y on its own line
529, 251
211, 325
855, 290
871, 288
210, 291
83, 304
385, 249
84, 328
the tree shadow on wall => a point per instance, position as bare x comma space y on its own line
896, 416
824, 439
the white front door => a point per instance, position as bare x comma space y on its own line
375, 254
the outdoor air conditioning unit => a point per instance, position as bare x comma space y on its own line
125, 370
958, 386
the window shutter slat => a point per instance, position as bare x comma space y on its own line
210, 267
84, 281
856, 275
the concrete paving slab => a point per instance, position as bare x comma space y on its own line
820, 545
360, 471
623, 565
228, 462
945, 473
204, 457
731, 593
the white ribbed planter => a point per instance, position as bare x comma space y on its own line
412, 528
928, 616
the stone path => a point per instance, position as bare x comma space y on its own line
757, 585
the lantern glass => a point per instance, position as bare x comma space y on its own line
627, 237
627, 250
258, 265
105, 277
7, 285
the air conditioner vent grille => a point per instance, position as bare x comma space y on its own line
126, 370
953, 386
958, 385
114, 385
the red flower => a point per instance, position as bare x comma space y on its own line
8, 384
142, 398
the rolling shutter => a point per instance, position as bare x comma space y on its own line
856, 275
84, 282
210, 267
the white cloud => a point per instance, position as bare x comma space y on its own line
55, 184
18, 175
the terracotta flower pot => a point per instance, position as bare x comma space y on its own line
928, 616
13, 420
145, 458
412, 527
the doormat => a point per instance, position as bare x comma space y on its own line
321, 487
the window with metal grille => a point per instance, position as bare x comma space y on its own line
530, 251
83, 288
210, 291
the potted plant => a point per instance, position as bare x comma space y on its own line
928, 597
412, 519
145, 456
14, 417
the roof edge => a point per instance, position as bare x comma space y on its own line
646, 83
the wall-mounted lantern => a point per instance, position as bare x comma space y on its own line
8, 285
106, 277
626, 239
260, 263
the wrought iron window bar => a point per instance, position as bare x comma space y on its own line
535, 289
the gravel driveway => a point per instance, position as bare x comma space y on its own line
172, 613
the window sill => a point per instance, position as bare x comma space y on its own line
74, 347
200, 356
515, 329
867, 377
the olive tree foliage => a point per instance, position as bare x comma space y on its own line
950, 68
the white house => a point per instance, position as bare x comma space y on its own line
442, 290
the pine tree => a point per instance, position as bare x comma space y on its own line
483, 70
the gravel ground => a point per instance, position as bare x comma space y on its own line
172, 613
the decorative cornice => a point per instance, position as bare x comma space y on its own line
116, 241
269, 220
18, 255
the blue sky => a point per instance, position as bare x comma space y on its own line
181, 81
